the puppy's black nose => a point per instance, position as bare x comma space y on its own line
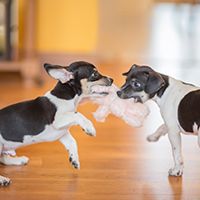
46, 65
119, 93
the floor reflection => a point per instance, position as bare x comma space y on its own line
176, 187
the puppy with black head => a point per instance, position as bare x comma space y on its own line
179, 104
47, 118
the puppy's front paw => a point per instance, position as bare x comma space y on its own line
152, 138
176, 171
4, 181
74, 161
89, 128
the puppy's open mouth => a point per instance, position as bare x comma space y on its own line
100, 90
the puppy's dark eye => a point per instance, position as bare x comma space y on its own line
136, 84
95, 75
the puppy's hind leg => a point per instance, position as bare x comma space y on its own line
4, 181
9, 160
175, 140
161, 131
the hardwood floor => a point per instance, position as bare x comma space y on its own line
117, 164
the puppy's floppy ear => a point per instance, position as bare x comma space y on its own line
154, 83
133, 66
58, 72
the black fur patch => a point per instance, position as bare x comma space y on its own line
164, 87
26, 118
67, 90
189, 111
80, 70
151, 82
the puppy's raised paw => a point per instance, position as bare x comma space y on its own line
89, 128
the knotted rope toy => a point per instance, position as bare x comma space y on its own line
132, 112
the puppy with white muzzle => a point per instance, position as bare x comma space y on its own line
178, 102
47, 118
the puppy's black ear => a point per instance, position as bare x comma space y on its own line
58, 72
133, 66
154, 83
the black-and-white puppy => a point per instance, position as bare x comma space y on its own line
47, 118
178, 102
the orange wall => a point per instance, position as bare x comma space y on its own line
66, 25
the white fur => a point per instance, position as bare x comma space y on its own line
9, 160
161, 131
8, 152
62, 105
168, 104
61, 74
195, 128
49, 134
71, 146
64, 118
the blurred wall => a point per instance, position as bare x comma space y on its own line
64, 25
109, 30
123, 28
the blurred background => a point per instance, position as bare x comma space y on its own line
114, 34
